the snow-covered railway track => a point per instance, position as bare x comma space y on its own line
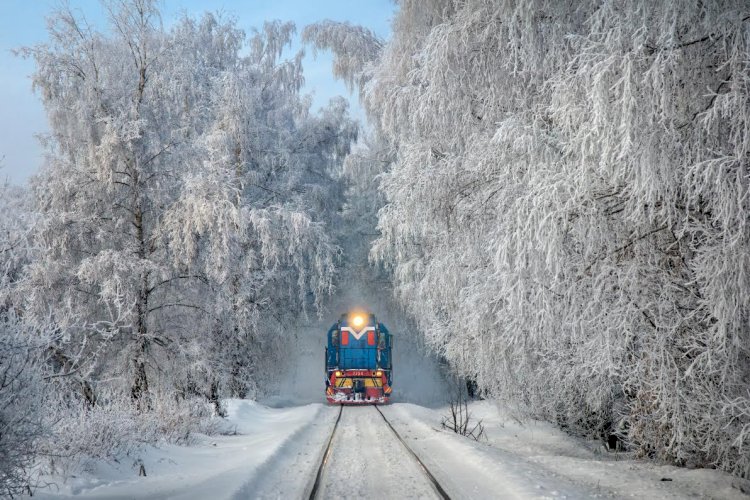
435, 484
362, 460
326, 455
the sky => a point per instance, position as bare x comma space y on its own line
23, 23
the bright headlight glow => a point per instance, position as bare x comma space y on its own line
358, 320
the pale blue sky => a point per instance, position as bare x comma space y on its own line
22, 22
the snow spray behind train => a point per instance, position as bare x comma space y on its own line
358, 360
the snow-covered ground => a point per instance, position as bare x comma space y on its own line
280, 441
537, 460
368, 461
276, 453
216, 467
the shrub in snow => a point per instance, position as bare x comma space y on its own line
459, 420
115, 429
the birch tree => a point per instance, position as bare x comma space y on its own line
188, 190
22, 421
566, 215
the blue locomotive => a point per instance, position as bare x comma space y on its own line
358, 360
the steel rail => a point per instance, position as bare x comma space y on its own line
326, 455
435, 484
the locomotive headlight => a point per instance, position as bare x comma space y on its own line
358, 321
338, 373
378, 373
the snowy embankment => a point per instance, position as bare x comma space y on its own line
276, 452
216, 467
537, 460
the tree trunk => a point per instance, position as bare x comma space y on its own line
139, 389
213, 397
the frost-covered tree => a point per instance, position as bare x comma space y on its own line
272, 169
185, 202
566, 215
17, 217
21, 352
355, 50
362, 48
23, 424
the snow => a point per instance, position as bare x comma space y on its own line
368, 461
215, 467
275, 453
468, 469
533, 459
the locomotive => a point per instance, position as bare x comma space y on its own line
358, 360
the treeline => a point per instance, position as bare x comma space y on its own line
182, 221
567, 195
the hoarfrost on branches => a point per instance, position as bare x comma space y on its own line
566, 213
185, 210
22, 421
362, 48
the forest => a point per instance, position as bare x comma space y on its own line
556, 193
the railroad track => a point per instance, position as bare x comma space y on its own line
326, 455
434, 482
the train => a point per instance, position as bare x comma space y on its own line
358, 365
